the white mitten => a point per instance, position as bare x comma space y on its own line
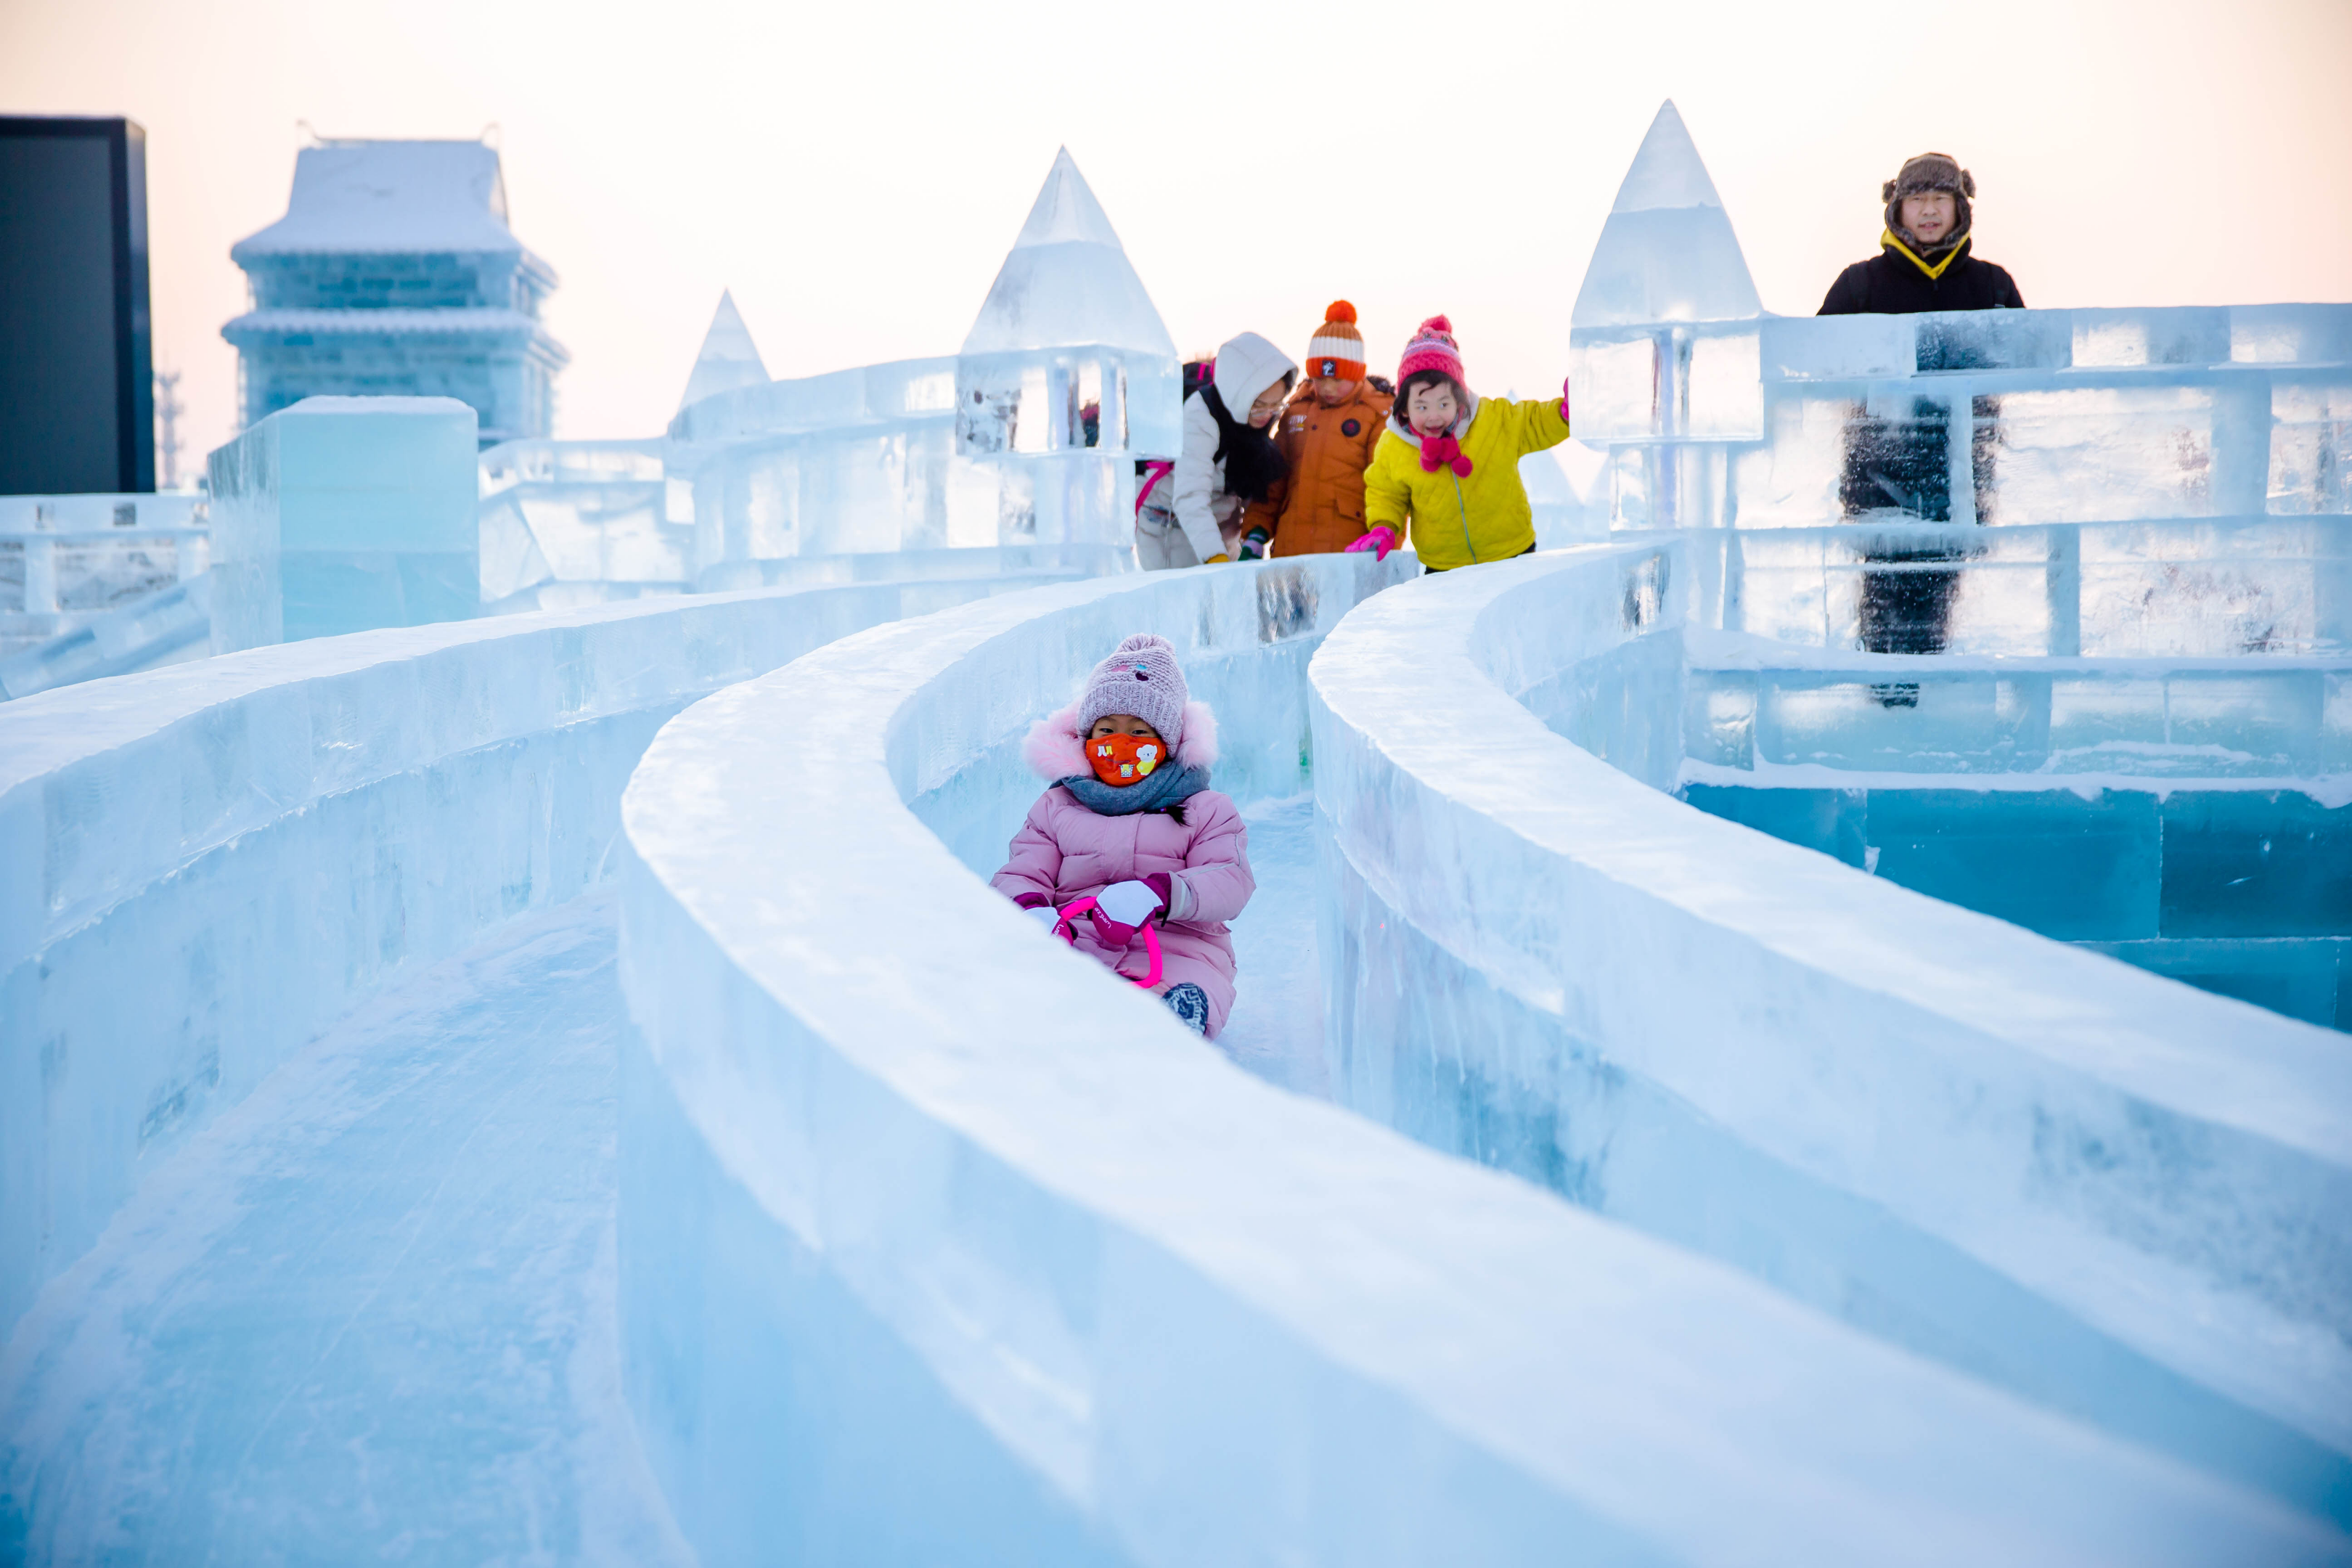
1129, 904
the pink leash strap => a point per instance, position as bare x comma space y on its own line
1064, 929
1156, 472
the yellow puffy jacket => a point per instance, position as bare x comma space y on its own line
1458, 521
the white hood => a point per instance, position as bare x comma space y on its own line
1246, 366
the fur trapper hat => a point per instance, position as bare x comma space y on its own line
1929, 172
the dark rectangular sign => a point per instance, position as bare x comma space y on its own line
77, 393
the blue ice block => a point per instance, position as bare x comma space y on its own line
341, 514
2256, 863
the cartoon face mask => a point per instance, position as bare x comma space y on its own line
1125, 759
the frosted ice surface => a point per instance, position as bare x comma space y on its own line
1667, 252
390, 196
1276, 1027
728, 358
1067, 282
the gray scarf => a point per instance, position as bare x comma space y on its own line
1165, 787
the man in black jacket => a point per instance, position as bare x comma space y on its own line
1924, 262
1897, 471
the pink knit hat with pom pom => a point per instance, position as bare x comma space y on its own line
1142, 677
1433, 348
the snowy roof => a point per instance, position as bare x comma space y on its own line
1667, 252
396, 196
728, 358
1067, 282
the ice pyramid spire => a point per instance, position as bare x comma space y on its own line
1667, 252
1066, 282
728, 358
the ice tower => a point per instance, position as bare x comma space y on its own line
1662, 340
394, 274
1068, 354
728, 358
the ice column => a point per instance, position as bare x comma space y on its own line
1662, 343
728, 358
1067, 374
344, 514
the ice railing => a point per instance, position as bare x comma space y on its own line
2096, 482
66, 560
201, 867
937, 1238
2119, 1198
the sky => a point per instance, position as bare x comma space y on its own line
854, 174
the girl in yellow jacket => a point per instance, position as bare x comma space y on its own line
1449, 462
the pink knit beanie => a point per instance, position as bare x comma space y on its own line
1141, 679
1433, 348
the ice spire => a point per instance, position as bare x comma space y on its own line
728, 358
1066, 282
1667, 252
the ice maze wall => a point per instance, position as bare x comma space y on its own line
203, 867
2118, 1198
938, 1242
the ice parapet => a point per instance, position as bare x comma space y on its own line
728, 358
1044, 1279
1022, 446
2112, 1195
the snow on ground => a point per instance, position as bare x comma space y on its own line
369, 1312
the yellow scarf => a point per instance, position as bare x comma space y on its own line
1886, 237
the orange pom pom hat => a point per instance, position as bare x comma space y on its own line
1336, 351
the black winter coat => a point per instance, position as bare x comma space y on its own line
1892, 284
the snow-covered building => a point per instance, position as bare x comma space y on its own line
394, 274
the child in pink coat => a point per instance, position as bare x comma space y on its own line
1130, 821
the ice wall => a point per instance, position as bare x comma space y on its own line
203, 867
2117, 1197
341, 514
939, 1243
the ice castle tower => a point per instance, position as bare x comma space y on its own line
728, 358
1068, 350
394, 274
1662, 342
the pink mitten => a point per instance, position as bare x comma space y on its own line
1380, 539
1564, 400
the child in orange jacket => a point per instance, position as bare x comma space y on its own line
1326, 436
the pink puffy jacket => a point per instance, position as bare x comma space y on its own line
1064, 852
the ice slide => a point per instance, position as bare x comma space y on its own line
246, 1268
891, 1286
937, 1243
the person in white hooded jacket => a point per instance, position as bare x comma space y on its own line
1228, 460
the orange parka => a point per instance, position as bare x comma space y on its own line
1320, 506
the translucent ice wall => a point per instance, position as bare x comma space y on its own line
203, 867
940, 1244
341, 514
2114, 1197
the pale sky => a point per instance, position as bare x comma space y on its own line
855, 173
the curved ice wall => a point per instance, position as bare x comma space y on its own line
939, 1243
203, 867
2117, 1197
